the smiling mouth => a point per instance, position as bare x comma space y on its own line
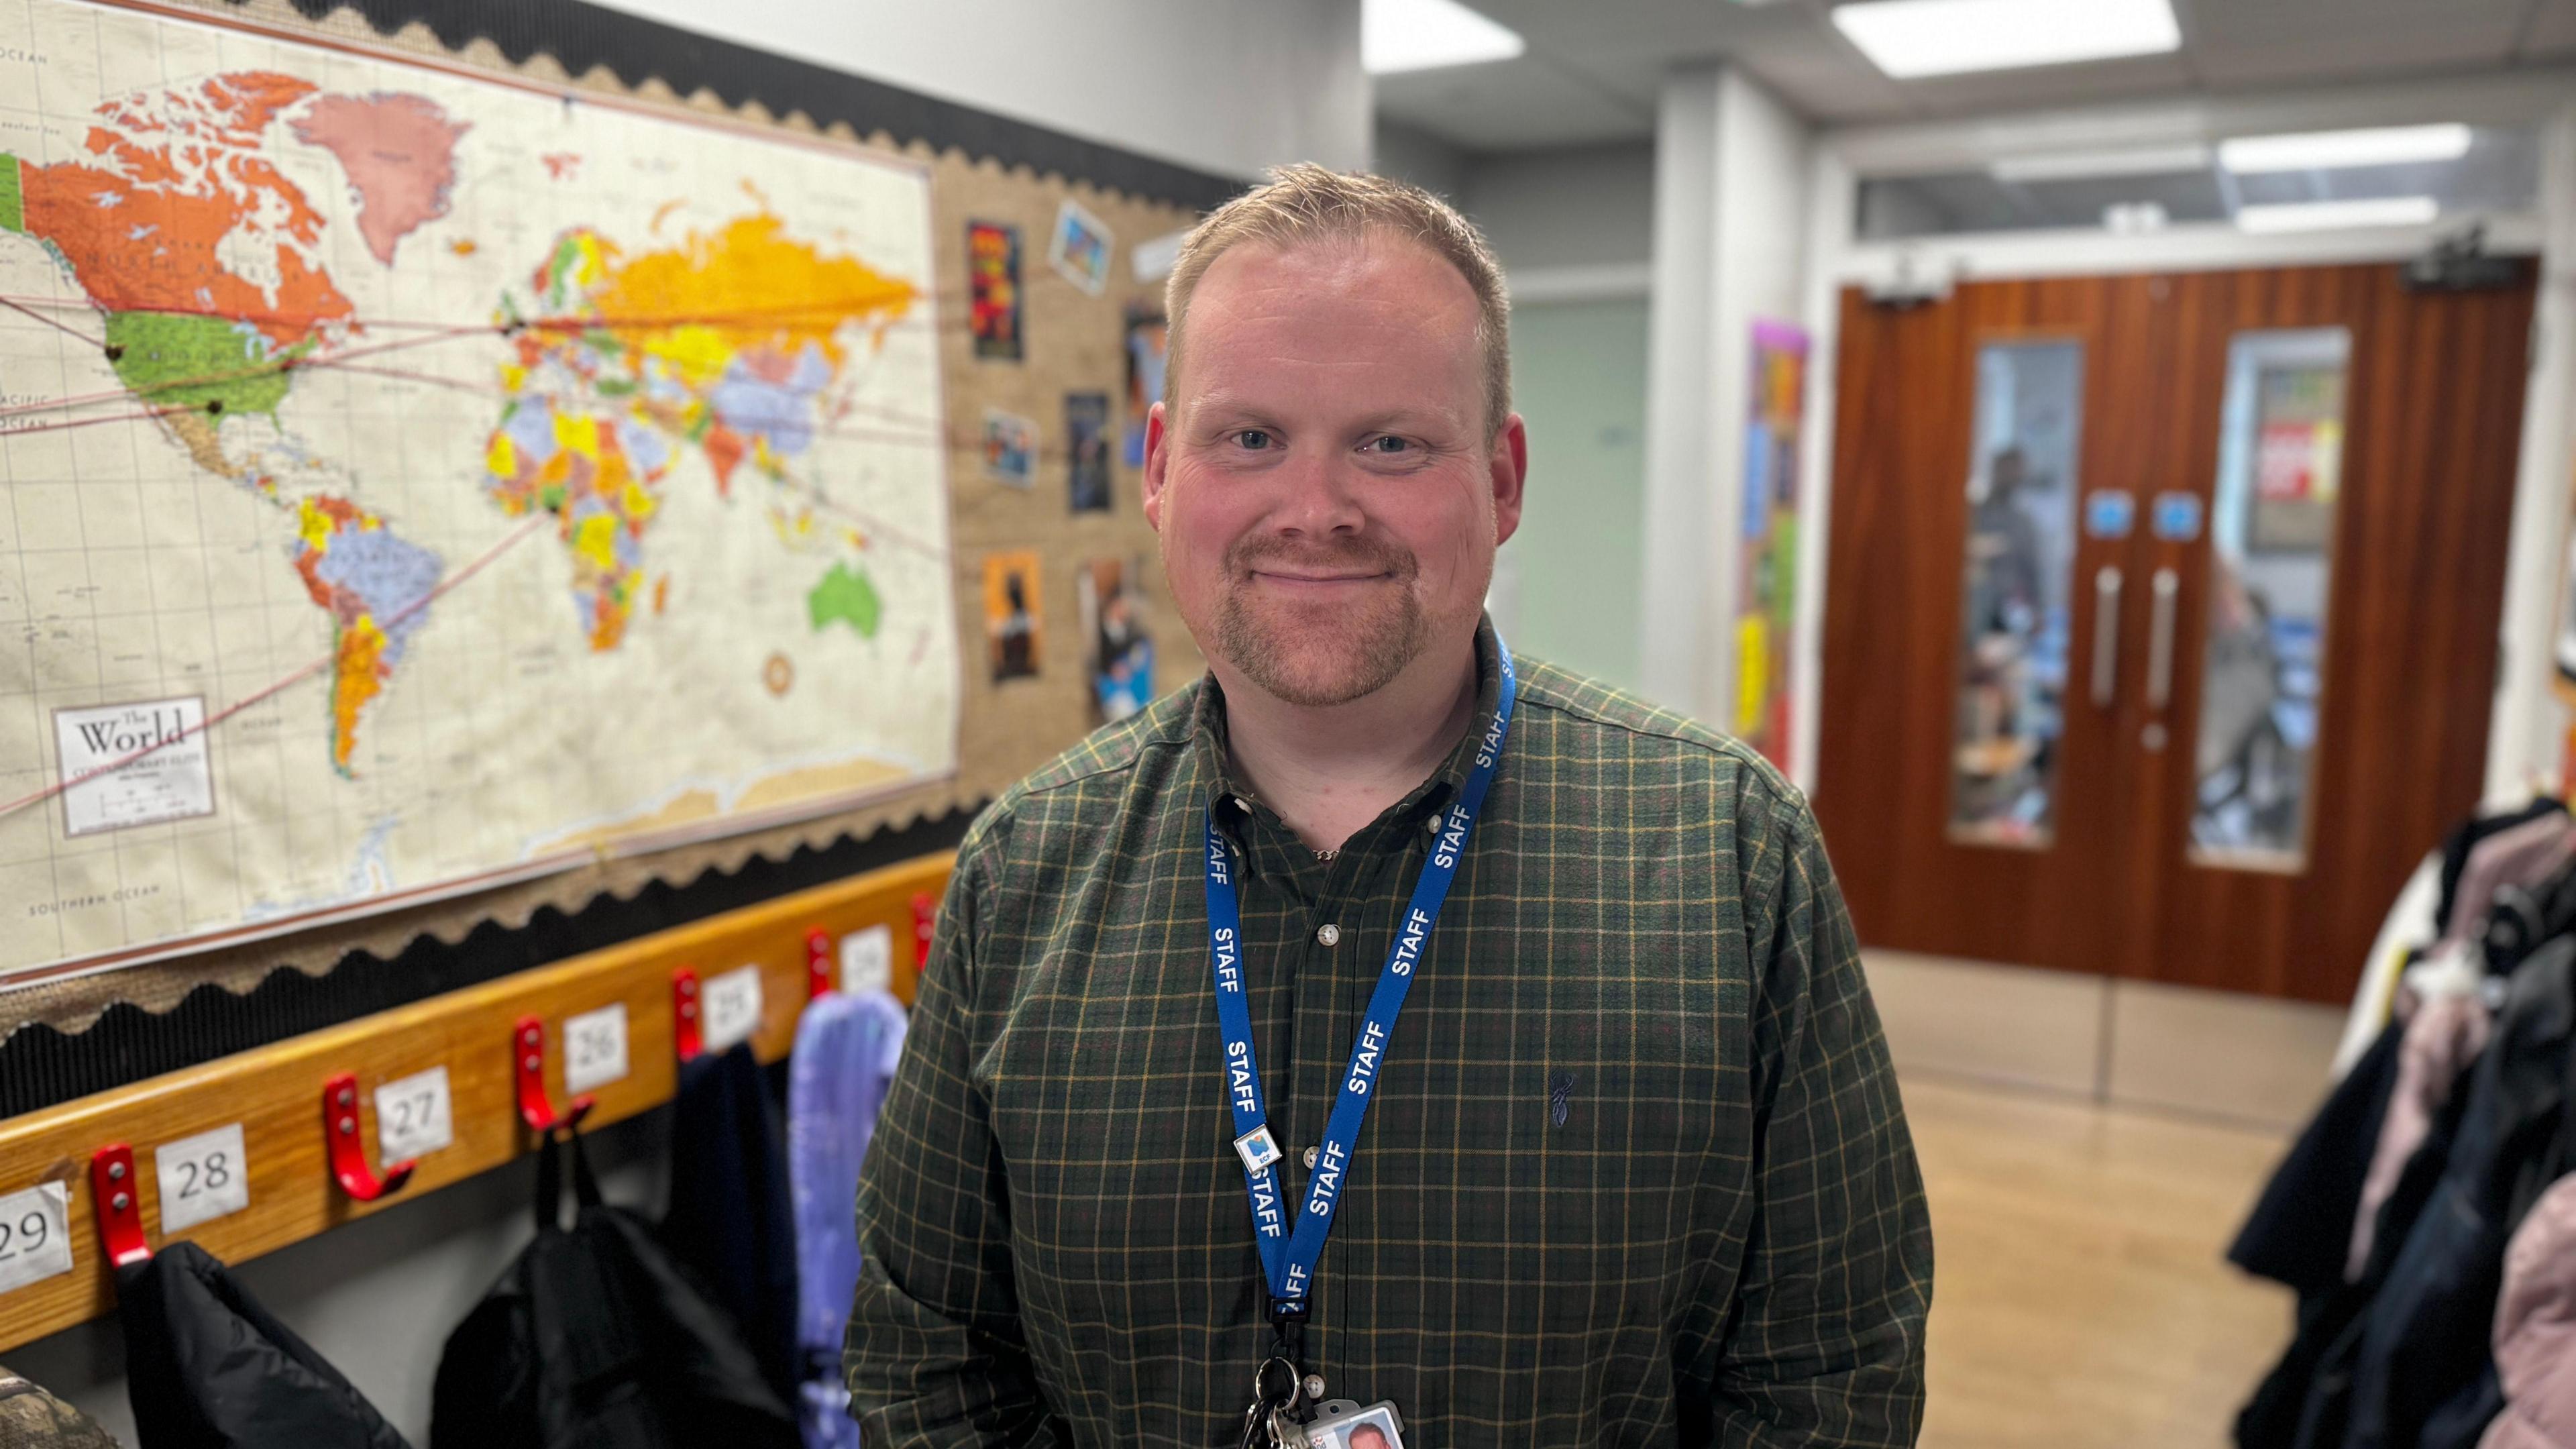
1316, 580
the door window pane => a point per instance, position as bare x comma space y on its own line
2015, 581
2280, 456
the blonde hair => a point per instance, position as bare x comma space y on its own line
1305, 204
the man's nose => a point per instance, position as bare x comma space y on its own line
1322, 495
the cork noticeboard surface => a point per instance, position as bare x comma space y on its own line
1070, 564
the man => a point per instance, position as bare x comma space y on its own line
1173, 951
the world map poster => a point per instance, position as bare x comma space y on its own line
411, 480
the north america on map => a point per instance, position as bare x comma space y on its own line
414, 481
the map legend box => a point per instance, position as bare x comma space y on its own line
133, 764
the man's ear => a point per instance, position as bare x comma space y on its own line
1157, 460
1508, 465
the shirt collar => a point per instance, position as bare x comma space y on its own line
1208, 731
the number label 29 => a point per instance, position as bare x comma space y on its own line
35, 1243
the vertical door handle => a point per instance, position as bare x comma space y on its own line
2160, 644
2106, 634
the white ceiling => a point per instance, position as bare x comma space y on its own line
1593, 66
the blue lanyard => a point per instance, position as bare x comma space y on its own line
1289, 1255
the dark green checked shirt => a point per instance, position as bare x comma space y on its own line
1634, 1171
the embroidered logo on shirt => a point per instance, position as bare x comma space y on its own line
1560, 1097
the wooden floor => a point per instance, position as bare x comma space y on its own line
2079, 1297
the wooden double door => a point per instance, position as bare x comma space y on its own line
2162, 613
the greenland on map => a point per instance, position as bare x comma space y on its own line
411, 481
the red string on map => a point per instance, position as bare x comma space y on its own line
468, 571
54, 323
928, 437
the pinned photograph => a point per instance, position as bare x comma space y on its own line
1010, 449
1011, 613
993, 289
1118, 651
1081, 248
1086, 448
1147, 335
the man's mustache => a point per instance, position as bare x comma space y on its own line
1360, 556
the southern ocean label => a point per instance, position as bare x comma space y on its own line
133, 764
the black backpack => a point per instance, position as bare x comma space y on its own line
208, 1368
594, 1339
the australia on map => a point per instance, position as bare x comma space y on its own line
415, 482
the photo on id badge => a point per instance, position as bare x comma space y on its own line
1344, 1425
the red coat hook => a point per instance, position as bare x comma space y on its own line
348, 1157
528, 1062
925, 919
818, 963
684, 1013
120, 1209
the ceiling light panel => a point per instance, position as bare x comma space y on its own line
1912, 38
1402, 35
2085, 165
2331, 150
2335, 215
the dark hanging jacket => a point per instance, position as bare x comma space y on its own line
2424, 1375
208, 1368
595, 1339
731, 1220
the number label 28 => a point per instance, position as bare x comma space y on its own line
202, 1177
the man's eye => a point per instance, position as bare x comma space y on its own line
1253, 439
1387, 445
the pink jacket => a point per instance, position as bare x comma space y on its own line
2535, 1331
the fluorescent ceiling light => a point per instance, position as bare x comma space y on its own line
1908, 38
2326, 150
1398, 35
2085, 165
2328, 215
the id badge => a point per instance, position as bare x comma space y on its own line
1342, 1424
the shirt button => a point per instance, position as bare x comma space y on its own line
1328, 934
1310, 1159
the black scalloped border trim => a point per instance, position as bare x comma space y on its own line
580, 36
41, 1067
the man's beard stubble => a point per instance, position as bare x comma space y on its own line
1321, 662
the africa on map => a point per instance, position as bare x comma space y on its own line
410, 481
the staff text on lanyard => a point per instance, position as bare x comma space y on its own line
1289, 1254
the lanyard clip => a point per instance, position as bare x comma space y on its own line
1288, 1331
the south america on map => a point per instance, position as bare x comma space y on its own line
411, 482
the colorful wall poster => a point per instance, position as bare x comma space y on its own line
993, 289
1010, 449
1767, 581
1118, 651
1080, 248
1147, 337
1086, 450
1012, 621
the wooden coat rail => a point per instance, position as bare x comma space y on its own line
307, 1111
